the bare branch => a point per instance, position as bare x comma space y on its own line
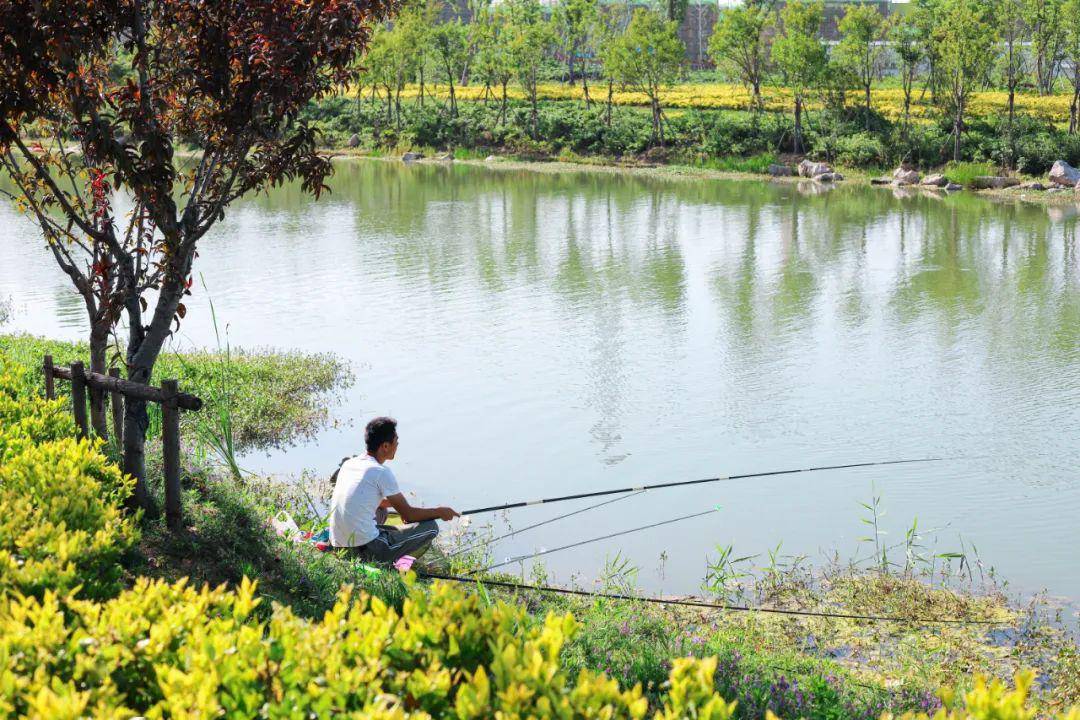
68, 169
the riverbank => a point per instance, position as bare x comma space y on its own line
853, 177
701, 140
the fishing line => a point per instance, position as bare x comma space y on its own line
591, 540
680, 483
713, 606
485, 543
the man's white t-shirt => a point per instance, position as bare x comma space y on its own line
361, 485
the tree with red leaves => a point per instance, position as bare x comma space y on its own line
227, 77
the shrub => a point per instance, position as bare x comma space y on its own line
860, 149
61, 525
169, 650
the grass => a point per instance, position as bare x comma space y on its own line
275, 398
818, 667
755, 164
964, 172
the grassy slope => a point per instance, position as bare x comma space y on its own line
275, 397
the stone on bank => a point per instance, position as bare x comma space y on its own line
1063, 174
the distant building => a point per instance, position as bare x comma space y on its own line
701, 15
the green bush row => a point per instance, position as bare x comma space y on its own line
835, 136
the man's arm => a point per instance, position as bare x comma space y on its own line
412, 514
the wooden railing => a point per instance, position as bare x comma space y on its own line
116, 389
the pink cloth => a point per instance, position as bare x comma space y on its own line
404, 563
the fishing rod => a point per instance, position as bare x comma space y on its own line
519, 558
485, 543
714, 606
681, 483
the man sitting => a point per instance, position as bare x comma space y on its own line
365, 489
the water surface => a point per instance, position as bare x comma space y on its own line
540, 334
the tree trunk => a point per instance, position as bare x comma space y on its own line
144, 348
99, 346
1012, 133
957, 123
610, 100
535, 110
1074, 108
867, 107
585, 89
798, 146
453, 98
420, 95
656, 131
907, 112
502, 110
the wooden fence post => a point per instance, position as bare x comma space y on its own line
50, 381
170, 442
78, 398
117, 411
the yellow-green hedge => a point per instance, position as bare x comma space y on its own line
61, 523
162, 650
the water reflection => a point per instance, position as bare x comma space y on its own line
564, 331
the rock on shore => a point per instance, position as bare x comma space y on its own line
993, 182
935, 180
810, 169
905, 176
1063, 174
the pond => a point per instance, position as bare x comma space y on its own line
546, 333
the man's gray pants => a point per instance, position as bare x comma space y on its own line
394, 542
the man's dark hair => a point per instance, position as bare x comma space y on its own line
380, 430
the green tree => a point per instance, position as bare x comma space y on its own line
418, 19
925, 15
1071, 26
648, 57
1013, 30
909, 44
862, 47
530, 39
739, 45
606, 38
574, 21
965, 40
391, 63
449, 43
800, 55
1046, 25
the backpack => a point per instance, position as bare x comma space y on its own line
333, 478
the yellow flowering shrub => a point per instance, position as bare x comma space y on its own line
162, 650
725, 96
61, 522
